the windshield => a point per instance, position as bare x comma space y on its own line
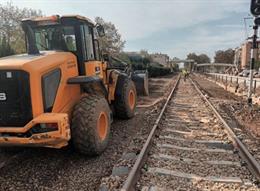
55, 38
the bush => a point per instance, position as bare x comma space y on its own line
138, 66
155, 71
5, 48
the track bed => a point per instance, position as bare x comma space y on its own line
191, 150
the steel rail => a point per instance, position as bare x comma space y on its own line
134, 173
244, 153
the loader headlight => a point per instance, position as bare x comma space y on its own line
51, 126
44, 128
50, 85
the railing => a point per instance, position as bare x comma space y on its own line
224, 78
216, 64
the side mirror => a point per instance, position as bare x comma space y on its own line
255, 7
100, 30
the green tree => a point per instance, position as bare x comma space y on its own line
202, 58
5, 48
257, 65
10, 24
225, 56
112, 42
123, 56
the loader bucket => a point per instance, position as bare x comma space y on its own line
140, 78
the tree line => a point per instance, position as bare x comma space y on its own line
221, 56
12, 37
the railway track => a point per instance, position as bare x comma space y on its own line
191, 147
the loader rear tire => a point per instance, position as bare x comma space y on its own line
91, 125
125, 99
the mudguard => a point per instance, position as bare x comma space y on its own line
140, 78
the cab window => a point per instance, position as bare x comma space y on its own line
55, 38
87, 38
97, 49
70, 38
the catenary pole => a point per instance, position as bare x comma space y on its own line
254, 54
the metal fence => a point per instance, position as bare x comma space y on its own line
224, 78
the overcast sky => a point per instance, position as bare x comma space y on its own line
175, 27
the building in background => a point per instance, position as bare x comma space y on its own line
162, 59
237, 59
246, 54
243, 55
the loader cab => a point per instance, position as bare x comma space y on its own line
85, 41
75, 34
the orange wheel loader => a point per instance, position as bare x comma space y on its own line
62, 89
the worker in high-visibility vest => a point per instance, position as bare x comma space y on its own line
184, 73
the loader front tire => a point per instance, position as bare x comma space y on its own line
91, 125
125, 99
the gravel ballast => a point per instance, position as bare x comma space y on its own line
183, 156
65, 169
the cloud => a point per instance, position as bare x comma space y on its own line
138, 19
144, 18
207, 43
176, 27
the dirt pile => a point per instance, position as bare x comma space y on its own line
242, 88
248, 116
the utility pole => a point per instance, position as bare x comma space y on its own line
255, 10
254, 55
